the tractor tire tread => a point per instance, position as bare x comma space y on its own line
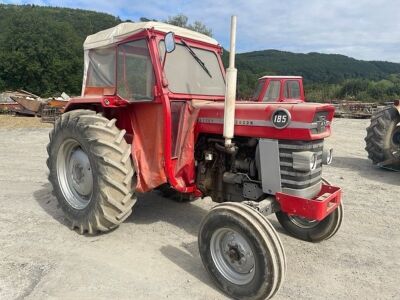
111, 154
378, 135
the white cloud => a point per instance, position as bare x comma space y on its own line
363, 29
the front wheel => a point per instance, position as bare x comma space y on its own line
312, 230
242, 252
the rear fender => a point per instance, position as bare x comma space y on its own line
95, 103
83, 103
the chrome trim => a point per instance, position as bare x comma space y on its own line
290, 164
259, 123
301, 147
294, 182
307, 193
295, 174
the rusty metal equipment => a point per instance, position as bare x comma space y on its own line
354, 109
22, 102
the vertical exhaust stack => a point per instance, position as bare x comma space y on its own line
230, 92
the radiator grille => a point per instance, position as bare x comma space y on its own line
295, 179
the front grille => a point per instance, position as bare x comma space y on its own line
295, 179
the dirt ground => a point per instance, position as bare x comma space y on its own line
154, 255
13, 122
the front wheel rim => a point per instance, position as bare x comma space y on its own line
232, 256
74, 173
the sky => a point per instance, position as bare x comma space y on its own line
363, 29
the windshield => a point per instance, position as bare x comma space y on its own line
186, 76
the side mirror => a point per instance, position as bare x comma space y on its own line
169, 41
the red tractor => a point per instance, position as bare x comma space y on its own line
279, 89
157, 108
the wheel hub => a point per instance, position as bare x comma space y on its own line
81, 173
74, 174
232, 256
234, 253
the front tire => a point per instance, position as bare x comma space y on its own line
242, 252
311, 230
91, 171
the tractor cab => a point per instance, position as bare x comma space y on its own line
279, 89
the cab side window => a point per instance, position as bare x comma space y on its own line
135, 72
272, 93
292, 89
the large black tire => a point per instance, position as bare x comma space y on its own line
111, 197
246, 240
383, 138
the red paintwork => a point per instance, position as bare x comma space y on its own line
301, 112
114, 106
311, 209
267, 80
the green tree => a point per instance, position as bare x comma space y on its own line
182, 21
41, 47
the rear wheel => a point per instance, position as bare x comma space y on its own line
91, 171
242, 252
312, 230
383, 138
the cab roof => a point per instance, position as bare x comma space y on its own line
115, 34
281, 77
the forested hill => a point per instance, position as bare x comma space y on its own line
41, 51
316, 68
41, 47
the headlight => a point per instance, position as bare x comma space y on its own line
305, 160
327, 156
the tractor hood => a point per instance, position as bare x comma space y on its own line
303, 121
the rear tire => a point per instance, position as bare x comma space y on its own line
91, 171
242, 252
383, 138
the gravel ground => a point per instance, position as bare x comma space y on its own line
154, 255
13, 122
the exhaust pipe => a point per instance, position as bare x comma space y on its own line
230, 91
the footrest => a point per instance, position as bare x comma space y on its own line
327, 200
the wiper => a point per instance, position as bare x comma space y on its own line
201, 63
